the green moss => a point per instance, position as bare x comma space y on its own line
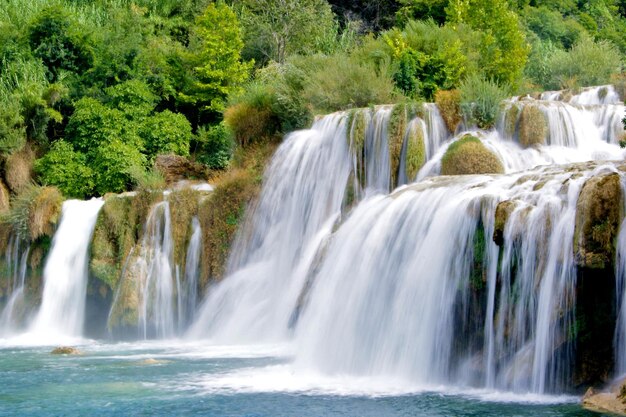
533, 128
220, 215
478, 279
183, 206
449, 104
503, 212
396, 129
416, 152
510, 120
468, 155
598, 214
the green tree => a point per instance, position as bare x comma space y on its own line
67, 170
214, 59
275, 29
503, 49
114, 164
166, 132
59, 43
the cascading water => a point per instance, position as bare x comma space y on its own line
62, 310
11, 317
412, 285
188, 295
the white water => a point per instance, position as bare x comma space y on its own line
386, 291
62, 310
12, 315
188, 296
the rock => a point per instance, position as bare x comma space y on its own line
66, 350
176, 167
468, 155
152, 361
598, 214
612, 401
533, 127
503, 211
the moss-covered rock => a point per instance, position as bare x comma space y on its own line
533, 127
396, 129
416, 151
183, 207
598, 215
126, 303
468, 155
511, 118
449, 104
503, 211
65, 350
220, 214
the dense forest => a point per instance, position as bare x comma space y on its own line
92, 91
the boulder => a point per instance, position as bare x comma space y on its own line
175, 168
469, 155
598, 215
611, 401
65, 350
533, 127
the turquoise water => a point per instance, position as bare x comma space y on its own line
194, 380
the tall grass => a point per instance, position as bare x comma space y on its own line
480, 101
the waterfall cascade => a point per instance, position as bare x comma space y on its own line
368, 261
430, 283
62, 310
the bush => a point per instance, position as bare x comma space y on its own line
114, 163
587, 63
248, 123
66, 169
468, 155
449, 104
18, 169
35, 211
214, 146
166, 132
343, 83
480, 101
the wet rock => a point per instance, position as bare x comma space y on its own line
598, 213
503, 211
611, 401
175, 168
533, 127
66, 350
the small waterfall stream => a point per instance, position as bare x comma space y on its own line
11, 317
62, 310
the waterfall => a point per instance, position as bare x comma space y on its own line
157, 287
279, 241
11, 316
188, 297
422, 252
62, 310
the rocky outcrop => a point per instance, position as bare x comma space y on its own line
175, 168
598, 215
468, 155
503, 211
66, 350
612, 400
449, 104
533, 127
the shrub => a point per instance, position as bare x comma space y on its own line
343, 83
449, 104
18, 169
247, 122
587, 63
66, 169
35, 211
166, 132
113, 164
480, 101
468, 155
214, 146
